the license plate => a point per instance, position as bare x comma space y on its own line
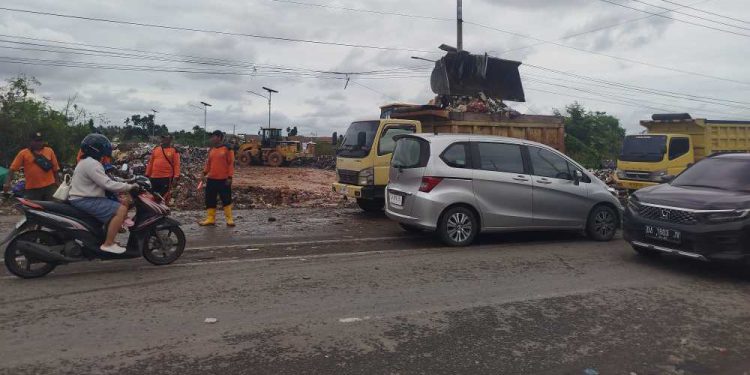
396, 199
664, 234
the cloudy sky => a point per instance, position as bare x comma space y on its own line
117, 69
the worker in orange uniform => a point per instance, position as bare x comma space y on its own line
163, 167
40, 166
219, 172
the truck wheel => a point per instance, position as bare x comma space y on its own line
371, 205
602, 224
458, 227
275, 159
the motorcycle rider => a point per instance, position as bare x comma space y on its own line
88, 187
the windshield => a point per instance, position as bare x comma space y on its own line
717, 173
644, 148
356, 145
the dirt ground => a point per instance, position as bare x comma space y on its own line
267, 187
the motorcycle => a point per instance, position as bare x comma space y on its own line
55, 233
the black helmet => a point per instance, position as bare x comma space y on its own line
96, 146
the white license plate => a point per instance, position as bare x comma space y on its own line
396, 199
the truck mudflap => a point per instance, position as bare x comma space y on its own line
359, 192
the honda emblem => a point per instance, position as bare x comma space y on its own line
665, 214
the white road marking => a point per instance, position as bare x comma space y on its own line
353, 320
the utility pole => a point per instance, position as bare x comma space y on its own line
205, 117
460, 44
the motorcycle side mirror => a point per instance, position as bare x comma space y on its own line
125, 167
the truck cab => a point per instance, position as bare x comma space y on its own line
363, 159
648, 159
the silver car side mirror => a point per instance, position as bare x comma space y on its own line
577, 177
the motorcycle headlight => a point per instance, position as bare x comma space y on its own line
366, 177
657, 175
728, 216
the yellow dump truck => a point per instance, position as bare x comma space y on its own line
673, 143
363, 159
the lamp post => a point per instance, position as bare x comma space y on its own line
153, 128
205, 117
270, 93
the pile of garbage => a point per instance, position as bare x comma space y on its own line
479, 103
324, 162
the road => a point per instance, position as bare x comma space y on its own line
336, 291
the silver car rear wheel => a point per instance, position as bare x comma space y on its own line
458, 227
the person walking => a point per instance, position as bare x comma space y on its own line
218, 173
163, 167
40, 166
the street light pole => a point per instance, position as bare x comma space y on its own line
205, 118
270, 93
153, 128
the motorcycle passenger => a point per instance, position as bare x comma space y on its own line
88, 187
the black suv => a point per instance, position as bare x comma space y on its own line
703, 214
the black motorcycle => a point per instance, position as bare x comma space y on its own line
56, 233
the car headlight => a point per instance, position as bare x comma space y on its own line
657, 175
633, 204
727, 216
366, 177
620, 174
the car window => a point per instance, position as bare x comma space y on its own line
500, 157
387, 144
410, 153
678, 147
456, 155
548, 164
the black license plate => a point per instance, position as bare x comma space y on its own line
663, 234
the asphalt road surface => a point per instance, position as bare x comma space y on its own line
337, 291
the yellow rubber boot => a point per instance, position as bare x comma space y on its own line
210, 218
228, 215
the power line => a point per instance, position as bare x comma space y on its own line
679, 95
705, 11
594, 30
373, 90
675, 19
365, 10
179, 28
692, 15
632, 61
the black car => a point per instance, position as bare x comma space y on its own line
703, 214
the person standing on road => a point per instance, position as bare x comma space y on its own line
163, 167
40, 166
218, 173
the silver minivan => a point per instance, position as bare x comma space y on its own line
461, 185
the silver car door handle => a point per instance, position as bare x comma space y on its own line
544, 181
520, 178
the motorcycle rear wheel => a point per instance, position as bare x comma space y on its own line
164, 246
22, 266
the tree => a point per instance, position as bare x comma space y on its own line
22, 113
591, 137
291, 132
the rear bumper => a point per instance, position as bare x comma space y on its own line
724, 242
420, 211
359, 192
632, 184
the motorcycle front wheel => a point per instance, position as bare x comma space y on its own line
164, 246
20, 264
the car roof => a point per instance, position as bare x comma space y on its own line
444, 138
737, 156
